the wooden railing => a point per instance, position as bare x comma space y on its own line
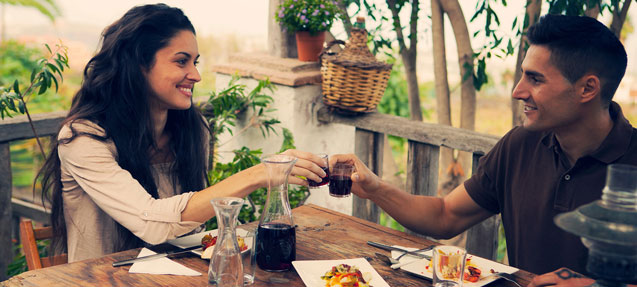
424, 142
11, 209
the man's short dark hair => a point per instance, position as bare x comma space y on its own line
580, 45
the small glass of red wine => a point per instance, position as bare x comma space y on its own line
326, 179
341, 180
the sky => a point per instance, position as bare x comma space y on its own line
246, 17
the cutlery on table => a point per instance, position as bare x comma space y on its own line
154, 256
387, 247
387, 259
505, 276
419, 250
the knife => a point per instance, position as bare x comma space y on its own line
387, 247
155, 256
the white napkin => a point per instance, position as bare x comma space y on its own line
160, 266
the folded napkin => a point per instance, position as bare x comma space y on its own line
160, 266
395, 254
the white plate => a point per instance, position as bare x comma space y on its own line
195, 239
420, 269
312, 270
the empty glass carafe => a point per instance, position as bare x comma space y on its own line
226, 267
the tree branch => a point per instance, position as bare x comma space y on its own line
413, 28
397, 26
619, 17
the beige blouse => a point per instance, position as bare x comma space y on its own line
97, 192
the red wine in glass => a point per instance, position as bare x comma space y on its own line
325, 180
276, 246
340, 186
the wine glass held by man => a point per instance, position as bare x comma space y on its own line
129, 166
552, 164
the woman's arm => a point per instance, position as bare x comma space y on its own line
243, 183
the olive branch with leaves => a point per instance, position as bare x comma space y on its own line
43, 77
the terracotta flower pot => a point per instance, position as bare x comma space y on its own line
309, 46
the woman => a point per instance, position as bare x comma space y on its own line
130, 163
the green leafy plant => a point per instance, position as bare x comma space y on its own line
223, 107
307, 15
222, 111
19, 263
43, 77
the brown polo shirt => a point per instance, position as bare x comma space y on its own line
528, 179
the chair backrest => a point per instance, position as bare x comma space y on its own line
28, 237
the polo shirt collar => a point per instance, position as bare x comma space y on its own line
618, 140
614, 145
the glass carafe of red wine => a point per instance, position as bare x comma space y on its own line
276, 236
226, 267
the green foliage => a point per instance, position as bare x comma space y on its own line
43, 77
395, 100
494, 44
578, 7
386, 220
19, 263
17, 61
226, 106
575, 8
232, 101
307, 15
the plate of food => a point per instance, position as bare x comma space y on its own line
475, 273
208, 239
341, 272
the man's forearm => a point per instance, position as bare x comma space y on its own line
418, 213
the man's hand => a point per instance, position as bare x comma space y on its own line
562, 277
365, 182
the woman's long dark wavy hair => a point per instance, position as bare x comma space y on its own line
115, 95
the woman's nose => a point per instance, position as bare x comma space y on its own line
194, 75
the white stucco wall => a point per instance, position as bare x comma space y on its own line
296, 109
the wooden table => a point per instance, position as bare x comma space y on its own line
321, 234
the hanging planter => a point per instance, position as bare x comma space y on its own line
309, 46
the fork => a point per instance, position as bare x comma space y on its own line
505, 276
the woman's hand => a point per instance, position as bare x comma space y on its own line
364, 182
308, 165
562, 277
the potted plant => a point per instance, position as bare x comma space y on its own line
308, 19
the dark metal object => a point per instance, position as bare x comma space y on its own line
608, 228
387, 247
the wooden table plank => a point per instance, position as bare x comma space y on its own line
322, 234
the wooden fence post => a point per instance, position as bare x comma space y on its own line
482, 238
6, 246
422, 168
368, 147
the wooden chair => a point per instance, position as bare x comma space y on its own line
28, 237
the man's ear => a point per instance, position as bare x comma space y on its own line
590, 87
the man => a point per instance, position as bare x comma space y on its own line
554, 163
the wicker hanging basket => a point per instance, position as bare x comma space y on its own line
353, 80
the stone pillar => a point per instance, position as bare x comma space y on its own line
297, 98
280, 43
